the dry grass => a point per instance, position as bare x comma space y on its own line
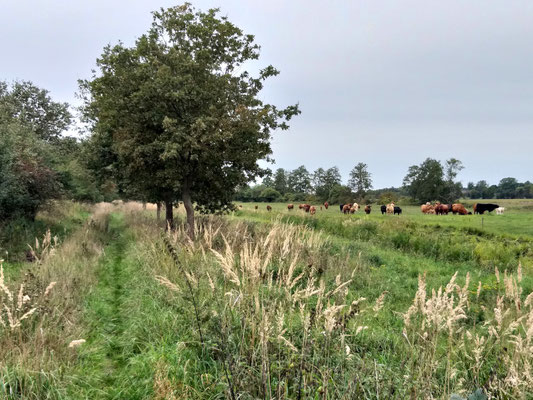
41, 309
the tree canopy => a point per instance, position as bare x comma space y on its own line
360, 180
179, 116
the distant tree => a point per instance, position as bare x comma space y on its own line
180, 117
267, 178
453, 190
425, 182
299, 181
340, 194
270, 195
388, 197
360, 180
324, 181
507, 188
33, 107
280, 181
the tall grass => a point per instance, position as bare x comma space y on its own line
280, 325
41, 312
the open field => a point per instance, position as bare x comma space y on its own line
274, 305
517, 220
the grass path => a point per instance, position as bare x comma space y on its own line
106, 360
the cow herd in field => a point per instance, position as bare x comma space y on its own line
391, 209
458, 208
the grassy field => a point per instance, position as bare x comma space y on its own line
274, 305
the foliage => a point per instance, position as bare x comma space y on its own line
427, 182
340, 194
360, 180
324, 181
182, 117
299, 180
33, 107
27, 180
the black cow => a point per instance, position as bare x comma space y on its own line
480, 208
397, 210
341, 206
383, 210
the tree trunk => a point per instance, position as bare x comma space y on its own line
158, 211
187, 202
169, 213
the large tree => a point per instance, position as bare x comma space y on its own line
33, 107
325, 180
299, 180
425, 182
181, 114
360, 180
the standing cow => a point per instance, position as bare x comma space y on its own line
326, 205
290, 207
383, 209
397, 210
480, 208
269, 208
368, 209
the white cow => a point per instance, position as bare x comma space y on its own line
500, 210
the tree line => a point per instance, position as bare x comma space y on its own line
431, 180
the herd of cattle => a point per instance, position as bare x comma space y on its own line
457, 208
428, 208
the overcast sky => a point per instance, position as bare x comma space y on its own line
388, 83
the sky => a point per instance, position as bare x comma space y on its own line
388, 82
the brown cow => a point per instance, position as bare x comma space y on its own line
290, 206
441, 209
459, 209
368, 209
269, 208
256, 207
346, 208
307, 207
427, 208
301, 206
326, 205
312, 210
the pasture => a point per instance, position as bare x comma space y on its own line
274, 304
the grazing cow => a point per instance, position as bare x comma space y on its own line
301, 206
390, 208
383, 209
341, 207
240, 206
368, 209
458, 208
312, 210
290, 206
256, 207
346, 208
500, 210
307, 207
397, 210
480, 208
269, 208
441, 209
427, 208
326, 205
355, 206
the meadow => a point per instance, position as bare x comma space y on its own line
272, 305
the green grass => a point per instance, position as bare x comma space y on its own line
517, 221
143, 342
